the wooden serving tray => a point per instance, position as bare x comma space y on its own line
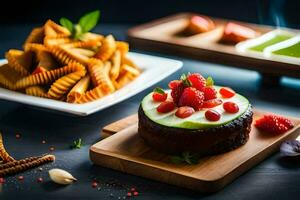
162, 36
125, 151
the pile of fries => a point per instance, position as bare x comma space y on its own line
54, 65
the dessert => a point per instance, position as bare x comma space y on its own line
234, 33
196, 116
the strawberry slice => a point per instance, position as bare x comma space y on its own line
166, 106
234, 33
274, 124
211, 103
184, 111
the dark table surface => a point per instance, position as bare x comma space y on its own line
272, 179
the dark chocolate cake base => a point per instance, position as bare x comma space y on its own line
208, 141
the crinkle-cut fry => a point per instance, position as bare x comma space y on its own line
48, 76
123, 47
46, 60
36, 36
104, 88
79, 89
34, 47
30, 163
116, 64
3, 153
48, 41
128, 61
65, 55
91, 36
20, 61
95, 68
53, 30
132, 70
83, 44
123, 79
8, 77
37, 91
84, 52
107, 48
64, 84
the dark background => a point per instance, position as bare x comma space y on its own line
139, 11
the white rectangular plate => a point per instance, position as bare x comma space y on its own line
154, 69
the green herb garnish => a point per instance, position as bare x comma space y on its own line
159, 90
210, 81
77, 144
86, 23
186, 157
186, 82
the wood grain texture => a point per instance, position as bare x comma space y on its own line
125, 151
162, 35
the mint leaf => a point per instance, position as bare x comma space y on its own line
76, 144
66, 23
176, 159
186, 82
186, 157
89, 21
210, 81
159, 90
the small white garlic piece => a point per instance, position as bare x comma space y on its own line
61, 176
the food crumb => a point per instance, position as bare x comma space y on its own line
21, 178
18, 135
40, 180
43, 141
51, 148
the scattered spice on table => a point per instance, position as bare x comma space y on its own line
40, 180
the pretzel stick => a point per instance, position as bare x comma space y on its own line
18, 162
3, 153
27, 165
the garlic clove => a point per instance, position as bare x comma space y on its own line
61, 176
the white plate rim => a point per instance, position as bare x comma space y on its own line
95, 106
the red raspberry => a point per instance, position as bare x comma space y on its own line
211, 103
165, 107
191, 97
184, 112
212, 115
227, 92
231, 107
209, 93
177, 88
274, 124
197, 81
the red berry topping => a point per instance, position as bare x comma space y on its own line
212, 115
211, 103
197, 81
165, 107
191, 97
94, 184
129, 194
184, 112
2, 180
274, 124
20, 178
177, 88
209, 93
135, 193
227, 92
231, 107
39, 180
159, 95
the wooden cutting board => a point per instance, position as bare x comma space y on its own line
162, 36
125, 151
